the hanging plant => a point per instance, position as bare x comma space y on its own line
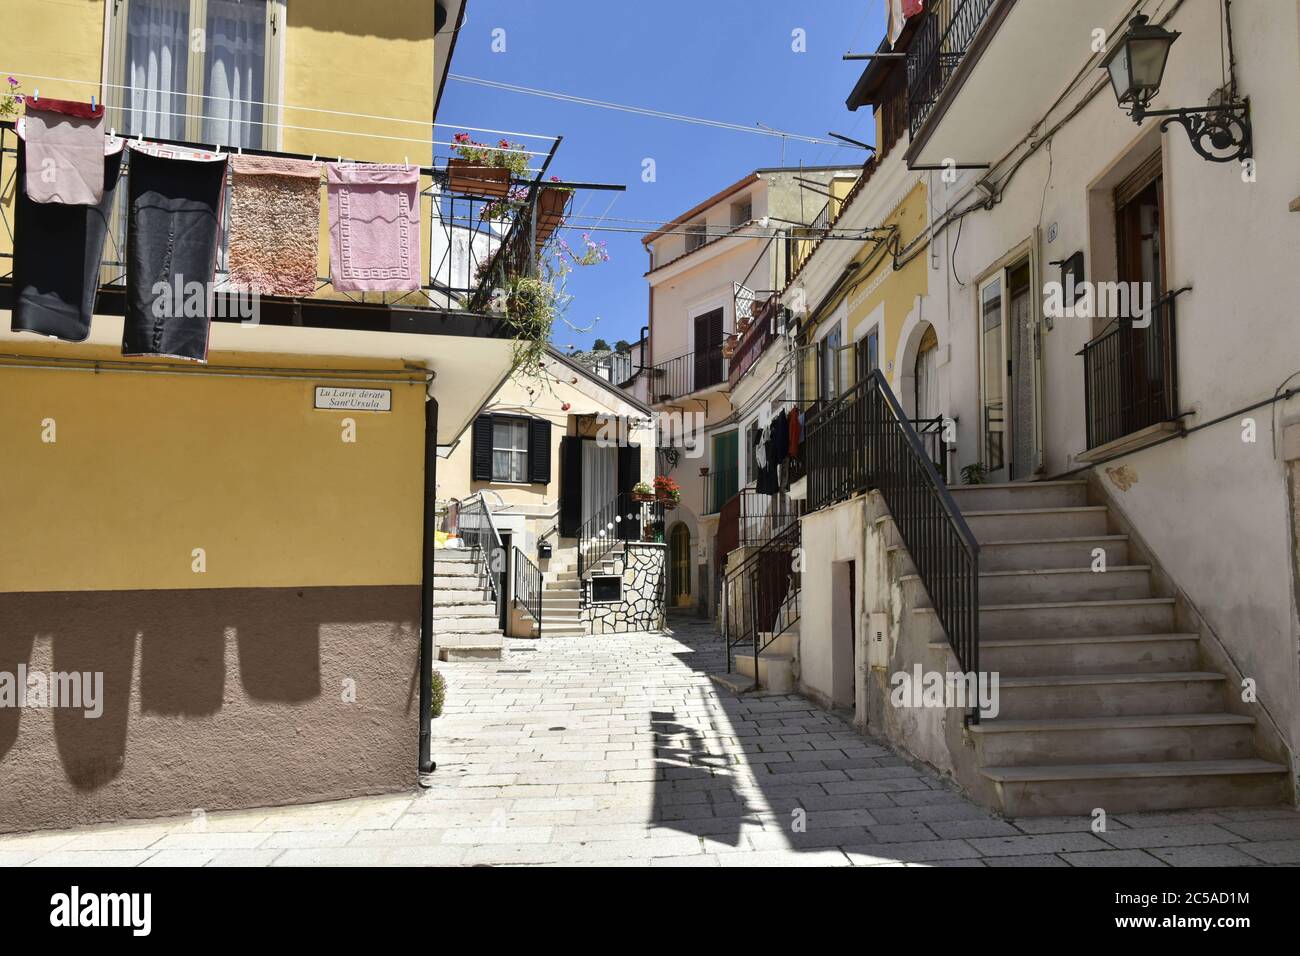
532, 304
10, 99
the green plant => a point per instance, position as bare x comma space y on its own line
506, 155
532, 304
10, 99
974, 474
439, 694
642, 488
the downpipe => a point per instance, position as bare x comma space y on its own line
427, 765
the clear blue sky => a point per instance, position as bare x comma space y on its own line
727, 60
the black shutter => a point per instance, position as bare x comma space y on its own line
481, 464
539, 450
629, 473
570, 486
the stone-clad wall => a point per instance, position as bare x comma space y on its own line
644, 565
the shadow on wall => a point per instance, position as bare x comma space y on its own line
181, 718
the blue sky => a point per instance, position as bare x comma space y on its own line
728, 60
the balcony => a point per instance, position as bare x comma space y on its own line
754, 341
967, 64
687, 374
1130, 382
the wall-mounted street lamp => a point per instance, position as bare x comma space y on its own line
1136, 65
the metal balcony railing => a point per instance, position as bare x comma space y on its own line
937, 48
761, 333
1130, 375
687, 374
475, 244
720, 486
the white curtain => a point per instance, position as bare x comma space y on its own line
157, 57
599, 478
927, 385
235, 69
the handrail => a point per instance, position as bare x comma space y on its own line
688, 373
760, 597
526, 586
865, 441
482, 536
619, 519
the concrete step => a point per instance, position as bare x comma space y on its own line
1065, 584
1110, 695
464, 582
561, 586
463, 624
556, 629
775, 671
552, 576
1038, 553
1050, 790
1077, 618
456, 569
1099, 654
734, 682
470, 652
452, 608
1089, 740
1021, 495
454, 554
1019, 525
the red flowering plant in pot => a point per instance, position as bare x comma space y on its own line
481, 170
667, 491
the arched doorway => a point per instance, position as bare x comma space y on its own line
679, 565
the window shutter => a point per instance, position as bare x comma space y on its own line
481, 464
539, 451
629, 473
570, 486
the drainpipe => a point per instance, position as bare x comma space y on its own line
427, 764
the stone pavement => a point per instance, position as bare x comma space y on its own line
618, 750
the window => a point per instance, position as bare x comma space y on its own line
993, 374
866, 354
196, 70
828, 377
509, 450
742, 212
694, 236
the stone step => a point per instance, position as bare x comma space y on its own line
1032, 523
1067, 552
454, 554
556, 629
1089, 740
1065, 584
1051, 790
1021, 495
456, 569
459, 583
464, 624
453, 606
775, 671
1110, 695
560, 588
470, 652
1099, 654
734, 682
1077, 618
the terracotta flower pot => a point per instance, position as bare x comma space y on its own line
551, 204
478, 180
642, 496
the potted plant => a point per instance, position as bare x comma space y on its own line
642, 492
730, 345
653, 531
481, 170
667, 491
551, 203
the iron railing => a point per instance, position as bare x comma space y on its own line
760, 597
1130, 375
863, 441
687, 374
476, 243
930, 431
762, 517
720, 485
760, 334
937, 48
477, 529
526, 584
619, 519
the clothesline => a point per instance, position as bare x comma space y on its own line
315, 129
286, 106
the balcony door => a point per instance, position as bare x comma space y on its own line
708, 350
204, 71
1145, 353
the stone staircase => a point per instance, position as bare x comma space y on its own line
1103, 701
562, 592
465, 622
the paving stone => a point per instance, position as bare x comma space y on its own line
1047, 843
1112, 858
1218, 855
1142, 837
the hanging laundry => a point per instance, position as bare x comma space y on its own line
374, 227
274, 225
57, 252
781, 437
796, 429
173, 236
65, 152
